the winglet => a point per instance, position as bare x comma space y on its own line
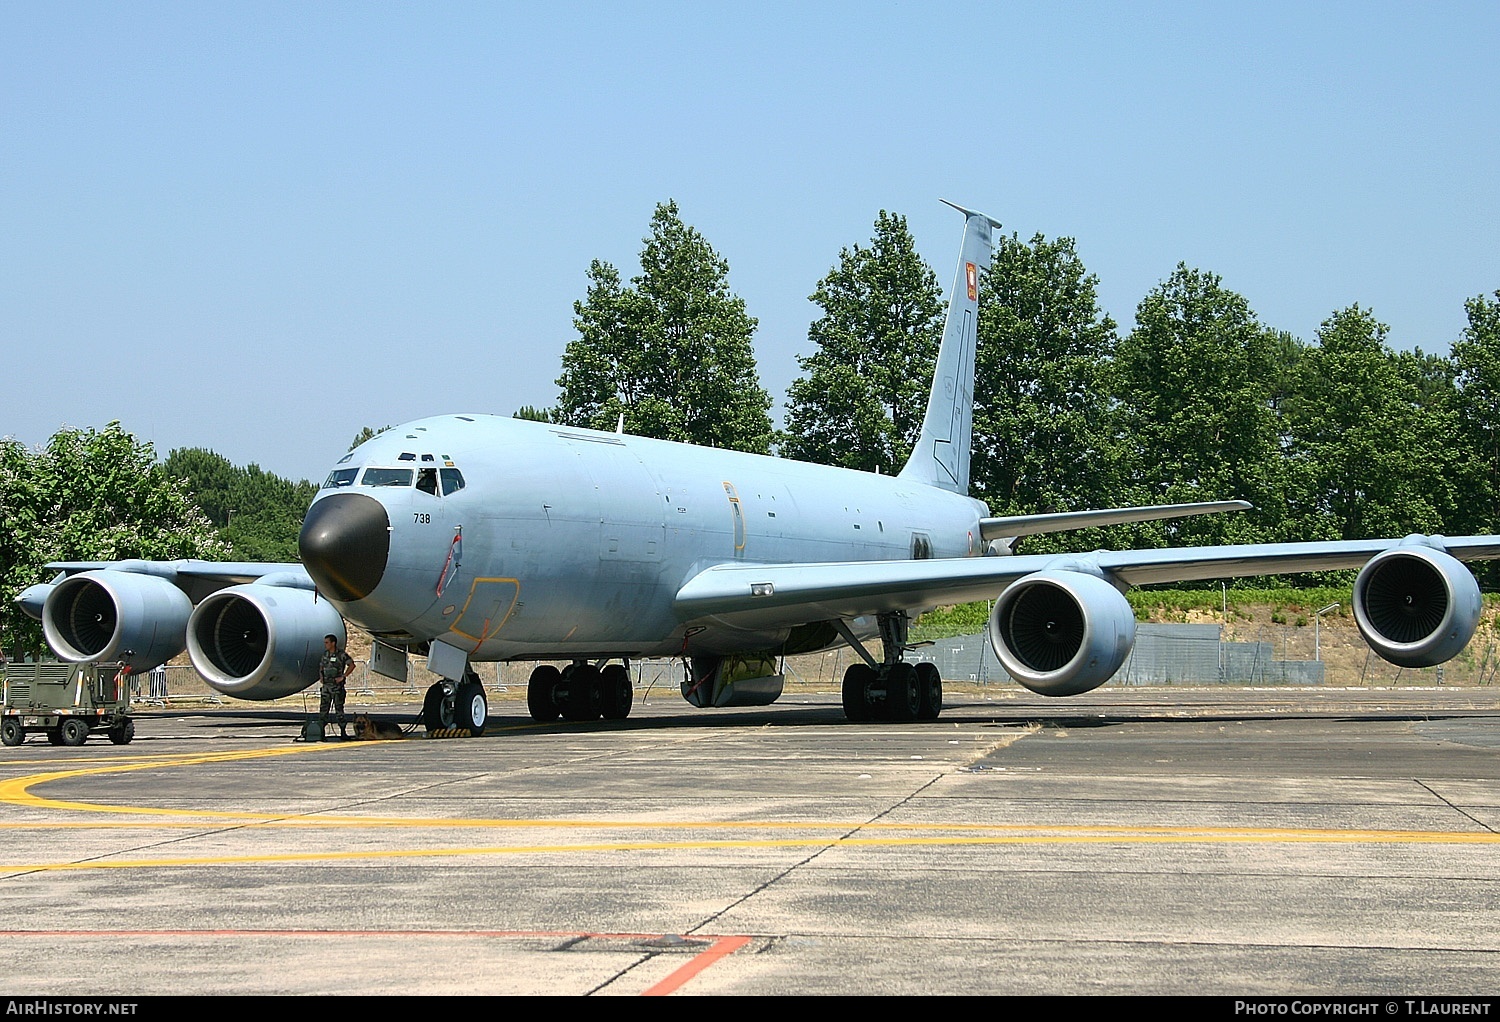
941, 455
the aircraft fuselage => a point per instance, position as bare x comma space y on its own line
567, 542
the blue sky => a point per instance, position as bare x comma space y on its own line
260, 227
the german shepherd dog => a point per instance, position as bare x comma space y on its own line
367, 729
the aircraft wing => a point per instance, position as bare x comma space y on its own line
226, 571
194, 577
254, 631
769, 595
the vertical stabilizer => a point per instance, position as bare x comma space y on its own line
941, 456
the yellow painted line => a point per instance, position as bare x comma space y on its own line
1188, 837
16, 792
945, 833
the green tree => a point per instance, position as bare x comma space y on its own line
1476, 361
88, 495
861, 401
535, 414
1197, 380
1046, 436
259, 514
1373, 431
365, 434
671, 351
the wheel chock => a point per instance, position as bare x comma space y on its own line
451, 732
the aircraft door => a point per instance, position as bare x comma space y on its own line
737, 513
486, 607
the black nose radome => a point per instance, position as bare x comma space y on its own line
345, 540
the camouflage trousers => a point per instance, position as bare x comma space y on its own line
332, 696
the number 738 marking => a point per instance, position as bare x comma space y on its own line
418, 518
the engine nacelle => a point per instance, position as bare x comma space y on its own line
259, 641
1060, 632
138, 620
1416, 606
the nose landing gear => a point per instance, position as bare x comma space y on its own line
461, 706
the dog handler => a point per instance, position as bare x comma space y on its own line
334, 667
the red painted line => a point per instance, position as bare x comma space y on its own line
721, 947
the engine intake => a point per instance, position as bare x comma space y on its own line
137, 620
258, 641
1060, 632
1416, 606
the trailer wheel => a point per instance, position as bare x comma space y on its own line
74, 731
11, 731
122, 734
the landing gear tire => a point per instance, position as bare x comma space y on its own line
930, 687
903, 697
74, 732
857, 681
581, 701
11, 731
470, 708
437, 709
615, 692
539, 691
123, 733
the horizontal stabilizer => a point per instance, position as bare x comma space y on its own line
1032, 525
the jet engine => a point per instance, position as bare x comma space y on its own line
122, 616
1061, 632
1416, 606
261, 641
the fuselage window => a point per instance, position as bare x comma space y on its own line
387, 477
453, 480
340, 477
427, 480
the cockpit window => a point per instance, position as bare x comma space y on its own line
427, 480
453, 480
340, 477
387, 477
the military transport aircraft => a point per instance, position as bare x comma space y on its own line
469, 538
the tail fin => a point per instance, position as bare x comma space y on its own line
941, 456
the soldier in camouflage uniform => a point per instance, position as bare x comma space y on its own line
333, 668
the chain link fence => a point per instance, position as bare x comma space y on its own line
1163, 654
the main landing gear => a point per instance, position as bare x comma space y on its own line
580, 692
893, 690
451, 706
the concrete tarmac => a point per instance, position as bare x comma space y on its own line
1142, 841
